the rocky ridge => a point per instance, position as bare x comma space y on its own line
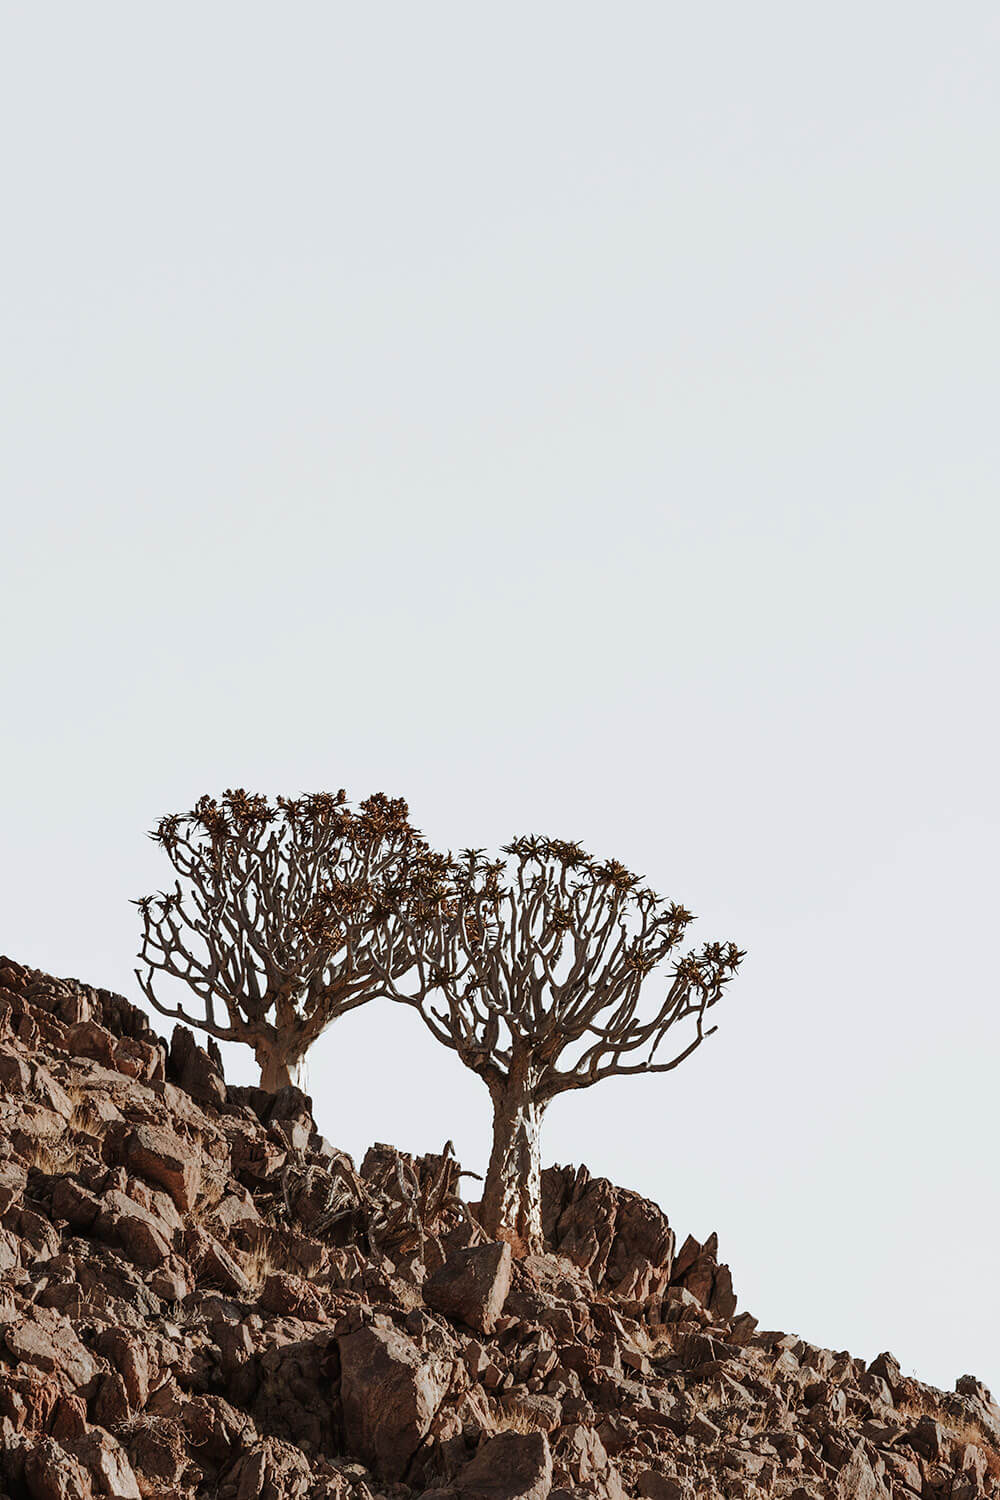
200, 1296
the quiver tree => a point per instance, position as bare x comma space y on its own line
283, 915
532, 972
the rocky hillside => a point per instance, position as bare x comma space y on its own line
200, 1296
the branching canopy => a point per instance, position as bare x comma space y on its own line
282, 915
544, 955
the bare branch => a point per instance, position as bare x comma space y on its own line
285, 914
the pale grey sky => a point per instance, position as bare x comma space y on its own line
578, 419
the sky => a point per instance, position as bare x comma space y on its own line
576, 419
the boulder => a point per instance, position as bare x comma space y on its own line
143, 1235
44, 1339
857, 1479
533, 1410
271, 1470
390, 1393
129, 1355
164, 1159
291, 1297
107, 1464
50, 1473
214, 1263
654, 1486
510, 1466
472, 1285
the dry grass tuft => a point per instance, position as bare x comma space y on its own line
952, 1415
511, 1421
261, 1261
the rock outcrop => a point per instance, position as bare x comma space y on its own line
200, 1296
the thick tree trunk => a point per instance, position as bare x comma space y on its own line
512, 1196
280, 1064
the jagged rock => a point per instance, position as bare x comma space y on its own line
857, 1479
50, 1473
43, 1338
201, 1300
28, 1400
214, 1262
163, 1158
199, 1072
143, 1235
472, 1285
511, 1466
292, 1297
653, 1486
582, 1453
272, 1471
533, 1410
390, 1394
13, 1180
106, 1462
156, 1450
968, 1385
111, 1404
72, 1202
129, 1356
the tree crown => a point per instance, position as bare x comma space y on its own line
280, 909
546, 952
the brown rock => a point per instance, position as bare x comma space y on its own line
544, 1413
510, 1466
70, 1417
143, 1236
15, 1072
390, 1394
111, 1404
156, 1450
43, 1338
583, 1453
472, 1285
50, 1473
274, 1470
214, 1263
27, 1400
90, 1039
857, 1479
198, 1072
292, 1297
73, 1203
969, 1385
13, 1177
10, 1250
105, 1461
163, 1158
653, 1486
130, 1357
702, 1430
722, 1302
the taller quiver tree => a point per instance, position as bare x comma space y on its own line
283, 916
532, 972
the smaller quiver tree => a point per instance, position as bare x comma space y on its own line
283, 915
532, 972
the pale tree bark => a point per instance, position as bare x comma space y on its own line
511, 1207
280, 1064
